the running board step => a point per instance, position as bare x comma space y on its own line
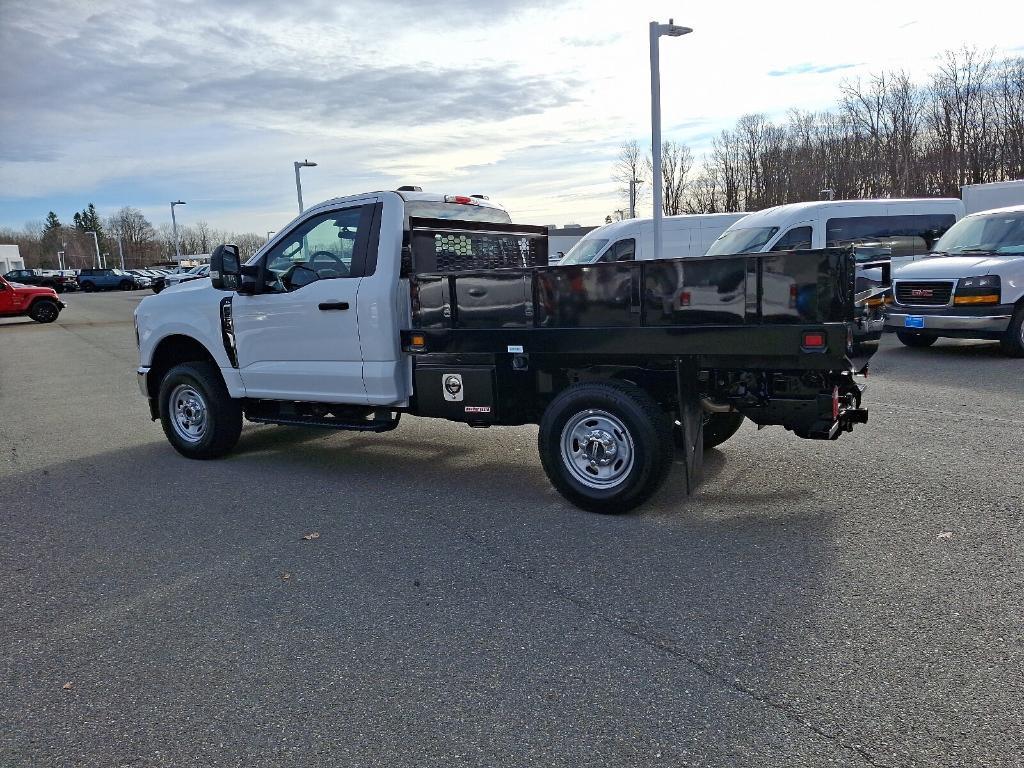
364, 425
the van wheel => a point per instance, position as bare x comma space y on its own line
915, 339
1012, 342
44, 311
199, 417
605, 446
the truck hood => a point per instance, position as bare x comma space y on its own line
955, 266
33, 290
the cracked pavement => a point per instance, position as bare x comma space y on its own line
854, 603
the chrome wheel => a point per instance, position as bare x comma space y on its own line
188, 412
597, 449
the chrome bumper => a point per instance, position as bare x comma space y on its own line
896, 321
141, 375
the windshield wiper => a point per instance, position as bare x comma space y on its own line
976, 250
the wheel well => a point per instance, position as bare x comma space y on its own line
173, 351
37, 299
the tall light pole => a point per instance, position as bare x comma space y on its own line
298, 181
657, 30
269, 233
174, 226
96, 240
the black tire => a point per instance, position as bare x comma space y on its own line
126, 285
647, 443
157, 287
222, 422
1012, 343
88, 287
44, 311
718, 427
915, 339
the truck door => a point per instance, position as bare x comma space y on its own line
299, 338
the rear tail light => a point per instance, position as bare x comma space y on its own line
792, 295
684, 299
814, 341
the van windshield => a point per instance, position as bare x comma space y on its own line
584, 252
749, 240
994, 233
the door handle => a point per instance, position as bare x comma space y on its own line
476, 293
333, 305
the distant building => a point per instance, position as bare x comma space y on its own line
10, 258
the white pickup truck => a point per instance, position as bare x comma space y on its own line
369, 307
971, 286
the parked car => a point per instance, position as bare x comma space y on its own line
55, 280
203, 270
41, 304
142, 280
972, 286
106, 279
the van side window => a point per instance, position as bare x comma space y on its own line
623, 250
798, 238
908, 235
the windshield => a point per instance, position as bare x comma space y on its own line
425, 209
749, 240
584, 252
994, 233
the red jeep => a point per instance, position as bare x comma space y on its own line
41, 304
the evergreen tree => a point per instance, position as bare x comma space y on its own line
51, 223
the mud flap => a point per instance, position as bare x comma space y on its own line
691, 425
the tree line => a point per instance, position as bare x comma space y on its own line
888, 136
126, 230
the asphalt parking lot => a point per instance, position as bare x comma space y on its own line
816, 604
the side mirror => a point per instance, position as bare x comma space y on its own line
226, 268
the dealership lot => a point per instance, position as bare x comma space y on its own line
850, 604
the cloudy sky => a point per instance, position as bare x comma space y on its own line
138, 102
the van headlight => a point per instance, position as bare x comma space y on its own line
984, 289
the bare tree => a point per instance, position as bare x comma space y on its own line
676, 163
630, 172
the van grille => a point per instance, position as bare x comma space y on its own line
932, 293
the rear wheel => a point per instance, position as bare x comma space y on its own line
88, 287
1012, 342
44, 311
199, 417
605, 446
126, 285
915, 339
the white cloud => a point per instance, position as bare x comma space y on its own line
140, 101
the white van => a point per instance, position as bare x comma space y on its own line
682, 236
904, 229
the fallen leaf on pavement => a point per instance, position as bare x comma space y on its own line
286, 575
311, 536
945, 535
67, 686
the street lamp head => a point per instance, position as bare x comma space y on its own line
178, 202
305, 164
671, 29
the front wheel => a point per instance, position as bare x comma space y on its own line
605, 446
199, 417
1012, 342
44, 311
915, 339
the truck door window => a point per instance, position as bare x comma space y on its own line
320, 248
796, 239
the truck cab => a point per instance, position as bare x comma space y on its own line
971, 285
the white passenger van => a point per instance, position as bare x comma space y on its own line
633, 239
902, 229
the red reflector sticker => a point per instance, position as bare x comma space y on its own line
814, 340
